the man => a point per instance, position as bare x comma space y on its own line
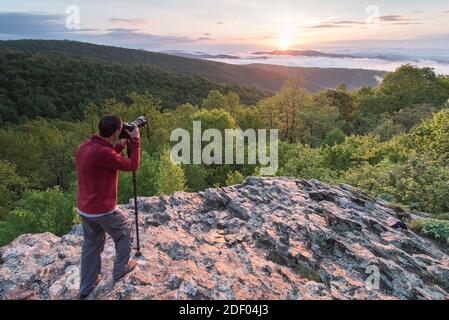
98, 162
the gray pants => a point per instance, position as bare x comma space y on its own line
118, 226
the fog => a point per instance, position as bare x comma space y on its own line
327, 62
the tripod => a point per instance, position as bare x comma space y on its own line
136, 210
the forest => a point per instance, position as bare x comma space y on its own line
391, 141
264, 77
58, 86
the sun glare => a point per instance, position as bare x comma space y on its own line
284, 41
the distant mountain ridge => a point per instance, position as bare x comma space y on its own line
261, 76
200, 55
305, 53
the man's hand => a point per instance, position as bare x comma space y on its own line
123, 142
134, 134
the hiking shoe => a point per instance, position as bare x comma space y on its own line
83, 295
128, 268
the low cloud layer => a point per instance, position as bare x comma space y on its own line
350, 63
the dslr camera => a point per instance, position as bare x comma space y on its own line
138, 123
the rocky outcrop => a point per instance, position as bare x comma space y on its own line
268, 238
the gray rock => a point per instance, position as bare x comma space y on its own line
268, 238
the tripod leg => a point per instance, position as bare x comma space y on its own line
138, 253
136, 212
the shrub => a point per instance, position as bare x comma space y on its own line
170, 177
145, 179
438, 229
39, 211
234, 177
441, 216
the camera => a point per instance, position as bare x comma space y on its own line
138, 123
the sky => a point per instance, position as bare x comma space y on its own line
232, 26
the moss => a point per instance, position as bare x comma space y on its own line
310, 274
416, 225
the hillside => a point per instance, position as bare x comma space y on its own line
268, 238
55, 85
264, 77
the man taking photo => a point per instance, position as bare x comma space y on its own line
98, 162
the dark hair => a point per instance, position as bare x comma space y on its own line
108, 125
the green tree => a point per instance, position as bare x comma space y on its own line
39, 211
293, 99
314, 123
11, 187
196, 177
416, 183
341, 99
170, 177
432, 136
234, 177
215, 100
387, 129
335, 136
410, 85
302, 161
146, 179
232, 100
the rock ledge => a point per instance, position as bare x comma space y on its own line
268, 238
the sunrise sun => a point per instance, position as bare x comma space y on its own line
284, 41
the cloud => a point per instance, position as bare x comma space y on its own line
349, 63
344, 22
48, 26
395, 18
336, 24
35, 24
399, 20
29, 24
219, 22
125, 30
132, 36
406, 23
134, 22
327, 26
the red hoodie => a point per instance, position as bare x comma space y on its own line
97, 164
